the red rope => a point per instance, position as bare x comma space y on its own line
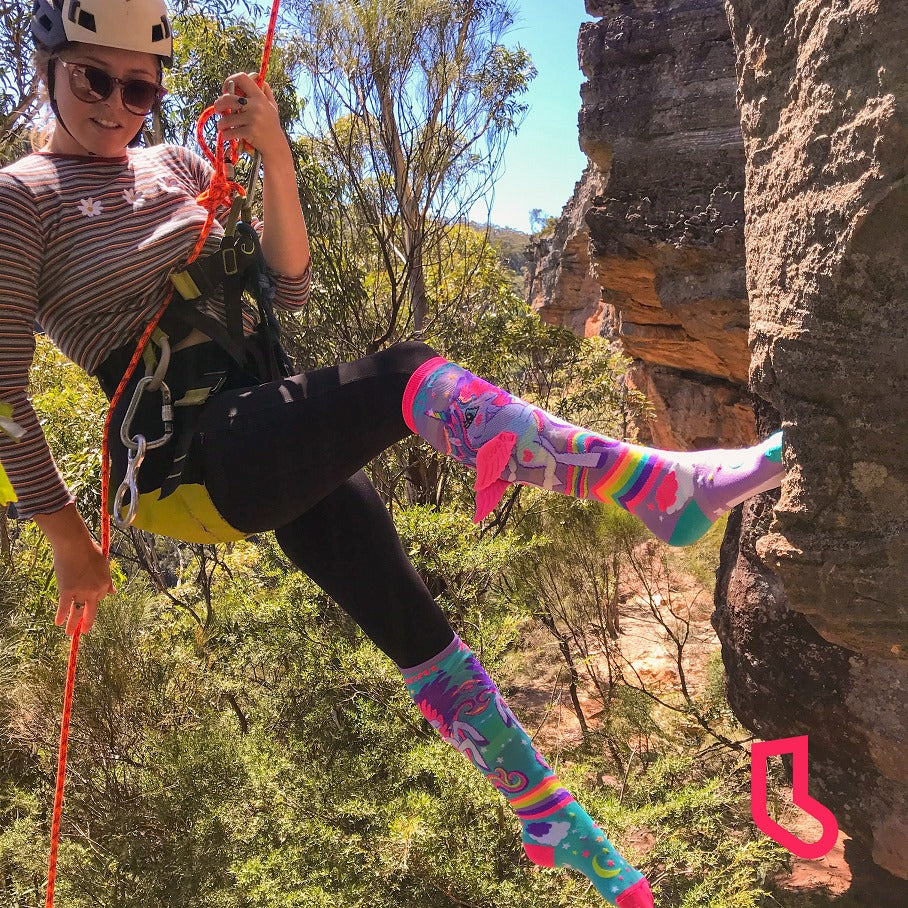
61, 763
269, 42
219, 194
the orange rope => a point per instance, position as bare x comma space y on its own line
219, 194
61, 764
269, 42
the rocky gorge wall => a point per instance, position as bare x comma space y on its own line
650, 250
823, 92
695, 114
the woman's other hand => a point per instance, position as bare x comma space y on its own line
83, 573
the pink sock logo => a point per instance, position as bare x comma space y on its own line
797, 747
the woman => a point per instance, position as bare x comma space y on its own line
93, 230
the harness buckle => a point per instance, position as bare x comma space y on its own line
228, 257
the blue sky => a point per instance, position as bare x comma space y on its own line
543, 161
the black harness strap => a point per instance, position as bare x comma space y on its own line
232, 268
230, 360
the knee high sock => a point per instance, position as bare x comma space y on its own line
677, 495
461, 702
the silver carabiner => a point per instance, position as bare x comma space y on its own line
166, 414
138, 445
130, 485
157, 378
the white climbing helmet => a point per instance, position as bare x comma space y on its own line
139, 25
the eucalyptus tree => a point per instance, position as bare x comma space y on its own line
209, 45
18, 85
413, 102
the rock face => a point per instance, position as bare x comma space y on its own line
813, 607
562, 284
659, 215
812, 597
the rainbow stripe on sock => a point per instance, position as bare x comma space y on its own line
630, 478
576, 482
649, 472
541, 800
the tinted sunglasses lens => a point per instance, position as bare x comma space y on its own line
89, 84
139, 96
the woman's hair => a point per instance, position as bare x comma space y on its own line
43, 129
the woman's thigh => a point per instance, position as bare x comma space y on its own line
270, 453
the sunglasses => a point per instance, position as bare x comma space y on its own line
91, 85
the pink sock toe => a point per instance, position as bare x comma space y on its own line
638, 896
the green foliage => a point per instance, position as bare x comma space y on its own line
18, 89
708, 857
71, 410
512, 248
542, 224
412, 105
203, 45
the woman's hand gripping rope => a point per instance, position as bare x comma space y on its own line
247, 118
249, 115
81, 567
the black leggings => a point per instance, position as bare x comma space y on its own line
287, 456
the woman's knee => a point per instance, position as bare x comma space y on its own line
410, 355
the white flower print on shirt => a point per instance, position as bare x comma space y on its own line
89, 207
133, 197
169, 184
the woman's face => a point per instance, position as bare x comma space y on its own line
104, 127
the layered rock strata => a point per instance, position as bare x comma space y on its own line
813, 608
650, 249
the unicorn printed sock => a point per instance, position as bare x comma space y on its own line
677, 495
462, 703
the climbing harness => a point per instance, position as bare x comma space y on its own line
221, 192
230, 360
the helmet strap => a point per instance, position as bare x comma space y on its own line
51, 85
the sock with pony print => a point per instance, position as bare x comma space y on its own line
461, 702
677, 495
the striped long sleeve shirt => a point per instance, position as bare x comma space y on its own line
86, 249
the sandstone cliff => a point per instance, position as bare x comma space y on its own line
824, 110
650, 249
